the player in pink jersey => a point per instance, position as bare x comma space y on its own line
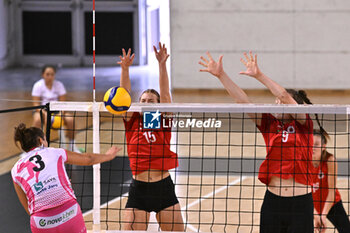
152, 189
42, 184
287, 168
327, 199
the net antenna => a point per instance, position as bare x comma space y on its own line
96, 136
93, 52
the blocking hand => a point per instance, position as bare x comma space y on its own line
251, 63
161, 55
212, 67
127, 59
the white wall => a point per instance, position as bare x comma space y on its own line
300, 44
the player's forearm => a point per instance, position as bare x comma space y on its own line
329, 202
164, 89
91, 159
99, 158
276, 89
86, 159
233, 89
332, 184
125, 79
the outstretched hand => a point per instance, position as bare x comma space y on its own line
113, 151
213, 67
127, 59
161, 55
251, 63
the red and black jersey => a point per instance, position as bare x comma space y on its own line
148, 148
320, 188
289, 150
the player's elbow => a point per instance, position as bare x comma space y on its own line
284, 97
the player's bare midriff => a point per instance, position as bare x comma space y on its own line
287, 187
151, 176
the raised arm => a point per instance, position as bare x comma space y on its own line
217, 70
164, 90
88, 159
125, 61
251, 63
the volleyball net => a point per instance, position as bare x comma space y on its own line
219, 150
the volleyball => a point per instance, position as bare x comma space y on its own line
117, 100
56, 121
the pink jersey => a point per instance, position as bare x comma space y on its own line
42, 176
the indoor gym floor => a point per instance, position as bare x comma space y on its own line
17, 84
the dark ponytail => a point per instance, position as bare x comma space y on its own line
28, 138
304, 97
301, 98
